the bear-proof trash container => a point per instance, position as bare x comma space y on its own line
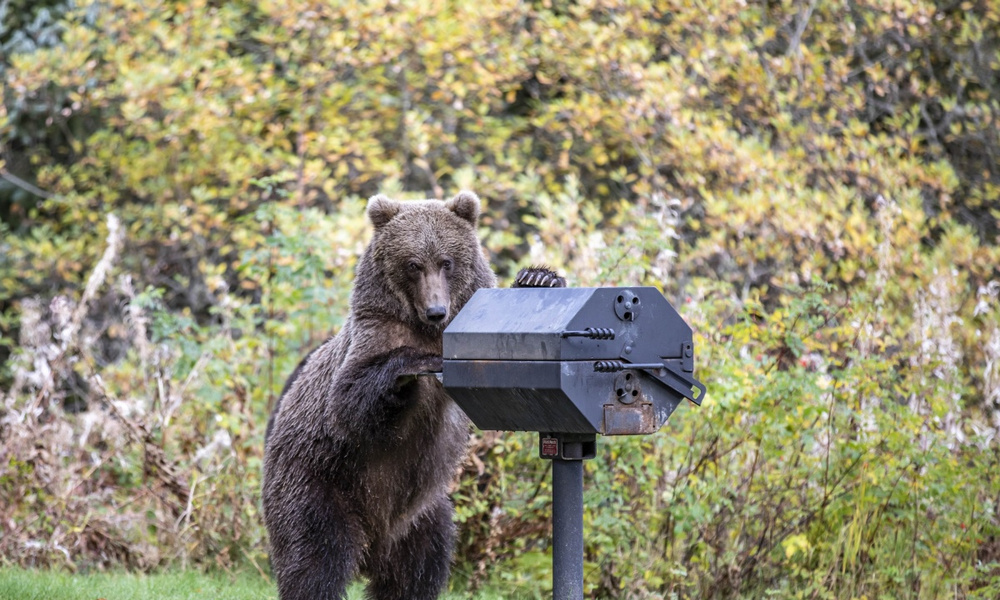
569, 363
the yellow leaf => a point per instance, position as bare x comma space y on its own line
796, 543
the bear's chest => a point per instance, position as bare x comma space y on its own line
430, 433
415, 461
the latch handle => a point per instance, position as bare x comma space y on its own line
665, 372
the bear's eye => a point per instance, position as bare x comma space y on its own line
413, 266
446, 264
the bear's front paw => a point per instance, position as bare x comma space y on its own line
409, 362
415, 365
425, 363
538, 276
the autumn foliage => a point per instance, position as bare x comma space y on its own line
814, 184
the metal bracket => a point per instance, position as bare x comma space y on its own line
567, 446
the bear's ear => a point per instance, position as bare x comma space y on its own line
466, 205
381, 210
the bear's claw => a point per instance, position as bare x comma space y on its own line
538, 277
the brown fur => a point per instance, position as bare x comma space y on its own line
360, 453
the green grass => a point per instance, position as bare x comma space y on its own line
19, 584
22, 584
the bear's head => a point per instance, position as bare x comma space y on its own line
424, 260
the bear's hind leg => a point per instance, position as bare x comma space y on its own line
417, 566
315, 552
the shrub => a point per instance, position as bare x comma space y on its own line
812, 184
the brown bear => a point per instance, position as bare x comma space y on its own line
360, 452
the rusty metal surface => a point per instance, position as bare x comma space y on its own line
629, 419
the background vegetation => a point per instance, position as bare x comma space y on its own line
815, 184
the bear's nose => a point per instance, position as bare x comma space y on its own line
436, 313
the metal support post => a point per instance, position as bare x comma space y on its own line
567, 451
567, 529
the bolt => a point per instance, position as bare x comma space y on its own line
628, 349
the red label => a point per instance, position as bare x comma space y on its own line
550, 447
